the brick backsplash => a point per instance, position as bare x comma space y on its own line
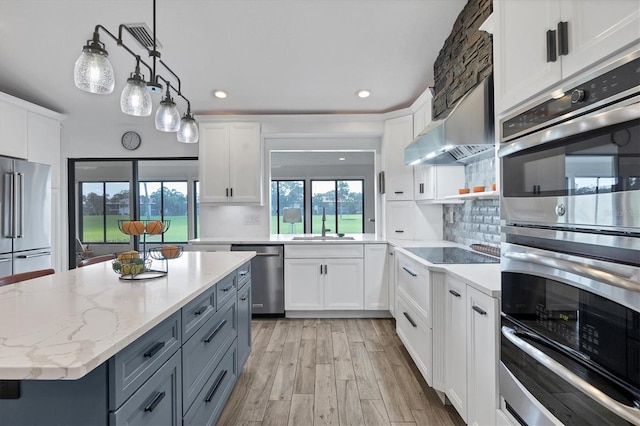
475, 221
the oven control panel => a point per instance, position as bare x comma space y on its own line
600, 88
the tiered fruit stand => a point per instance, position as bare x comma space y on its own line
132, 265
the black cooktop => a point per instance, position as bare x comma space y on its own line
451, 255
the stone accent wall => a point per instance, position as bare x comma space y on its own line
465, 59
475, 221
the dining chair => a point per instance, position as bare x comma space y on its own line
16, 278
96, 259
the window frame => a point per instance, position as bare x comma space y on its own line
304, 203
80, 193
161, 210
335, 228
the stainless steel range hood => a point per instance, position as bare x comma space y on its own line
465, 133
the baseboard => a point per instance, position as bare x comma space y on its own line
338, 314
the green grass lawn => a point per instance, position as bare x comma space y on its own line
92, 229
347, 224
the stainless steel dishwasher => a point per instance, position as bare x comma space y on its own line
267, 278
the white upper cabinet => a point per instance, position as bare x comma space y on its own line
434, 182
44, 144
13, 130
529, 56
230, 163
398, 133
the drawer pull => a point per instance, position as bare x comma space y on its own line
409, 271
215, 386
154, 403
200, 311
243, 298
413, 323
215, 331
243, 273
153, 350
479, 310
227, 288
399, 231
455, 293
399, 192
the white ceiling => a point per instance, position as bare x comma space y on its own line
271, 56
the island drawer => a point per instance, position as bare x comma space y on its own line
416, 336
244, 274
202, 352
157, 402
133, 365
197, 312
213, 396
414, 282
226, 289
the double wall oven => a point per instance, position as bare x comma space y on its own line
570, 210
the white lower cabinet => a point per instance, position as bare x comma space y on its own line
391, 270
471, 352
376, 282
332, 282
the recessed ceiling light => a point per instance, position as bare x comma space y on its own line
364, 93
220, 94
341, 158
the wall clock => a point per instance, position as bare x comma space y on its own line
131, 140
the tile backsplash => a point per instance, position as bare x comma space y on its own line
475, 221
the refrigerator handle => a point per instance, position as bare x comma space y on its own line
21, 206
13, 202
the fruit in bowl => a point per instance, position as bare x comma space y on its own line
130, 266
154, 227
128, 256
170, 252
133, 227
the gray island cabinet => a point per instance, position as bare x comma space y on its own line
181, 371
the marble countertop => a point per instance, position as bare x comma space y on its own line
62, 326
289, 239
483, 277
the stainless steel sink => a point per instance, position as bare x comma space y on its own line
321, 238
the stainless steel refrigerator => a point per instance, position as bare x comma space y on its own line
25, 202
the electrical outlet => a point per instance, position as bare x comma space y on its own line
450, 216
252, 220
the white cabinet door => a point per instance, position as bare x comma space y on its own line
44, 143
417, 337
376, 283
597, 29
303, 284
398, 133
400, 216
245, 163
482, 358
434, 182
422, 118
520, 50
456, 345
230, 163
214, 162
13, 130
343, 284
391, 268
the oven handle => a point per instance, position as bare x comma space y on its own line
630, 414
600, 274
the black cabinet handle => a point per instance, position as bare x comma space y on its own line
154, 403
399, 231
413, 323
390, 254
200, 311
325, 269
153, 350
243, 273
479, 310
215, 386
399, 192
243, 298
409, 271
455, 293
320, 269
227, 288
563, 38
231, 192
551, 46
215, 331
422, 188
226, 192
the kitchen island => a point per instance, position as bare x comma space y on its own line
83, 346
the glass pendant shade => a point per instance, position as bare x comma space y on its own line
93, 72
135, 98
188, 132
167, 116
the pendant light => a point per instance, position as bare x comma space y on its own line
188, 132
135, 98
167, 115
93, 72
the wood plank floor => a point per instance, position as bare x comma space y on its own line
305, 372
